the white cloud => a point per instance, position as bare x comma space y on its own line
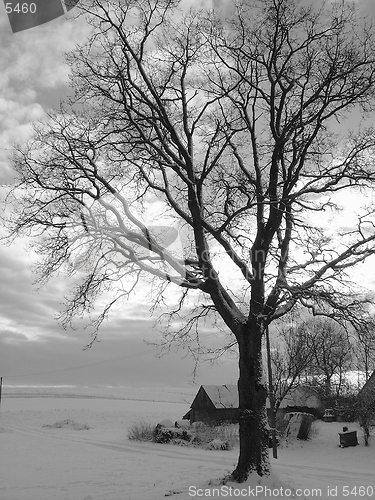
32, 64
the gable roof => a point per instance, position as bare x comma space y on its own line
222, 396
226, 396
301, 396
219, 396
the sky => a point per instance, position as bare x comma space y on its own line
34, 349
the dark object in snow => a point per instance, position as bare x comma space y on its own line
166, 435
348, 438
299, 426
270, 443
305, 426
329, 415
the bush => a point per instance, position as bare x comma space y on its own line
165, 434
141, 431
179, 442
347, 408
218, 444
225, 432
68, 424
197, 435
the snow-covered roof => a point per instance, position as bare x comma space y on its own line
222, 396
301, 396
226, 396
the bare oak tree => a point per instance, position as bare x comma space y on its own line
232, 124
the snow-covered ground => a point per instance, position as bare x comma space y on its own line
41, 462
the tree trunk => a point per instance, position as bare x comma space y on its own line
252, 393
327, 388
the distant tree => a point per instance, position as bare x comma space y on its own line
287, 360
291, 358
331, 358
230, 125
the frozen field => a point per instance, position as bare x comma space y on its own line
41, 462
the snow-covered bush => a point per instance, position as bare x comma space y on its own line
165, 434
141, 431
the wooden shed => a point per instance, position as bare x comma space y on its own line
214, 404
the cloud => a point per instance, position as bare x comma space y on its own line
15, 127
33, 78
34, 349
33, 60
22, 310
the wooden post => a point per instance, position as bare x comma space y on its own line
271, 396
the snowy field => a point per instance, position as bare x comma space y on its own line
39, 461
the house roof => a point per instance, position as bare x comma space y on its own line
226, 396
302, 396
222, 396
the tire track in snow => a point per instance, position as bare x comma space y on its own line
168, 451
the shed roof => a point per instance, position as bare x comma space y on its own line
226, 396
301, 396
222, 396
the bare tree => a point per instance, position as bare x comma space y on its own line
291, 357
287, 361
331, 353
233, 127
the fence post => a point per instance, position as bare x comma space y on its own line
271, 396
